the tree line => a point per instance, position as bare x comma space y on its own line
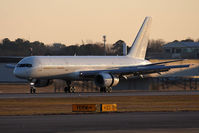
22, 47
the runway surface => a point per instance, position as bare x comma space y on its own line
63, 95
138, 122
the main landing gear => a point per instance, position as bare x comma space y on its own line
69, 88
106, 89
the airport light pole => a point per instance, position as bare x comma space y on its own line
104, 39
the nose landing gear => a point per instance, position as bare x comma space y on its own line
32, 87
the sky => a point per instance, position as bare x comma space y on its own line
73, 21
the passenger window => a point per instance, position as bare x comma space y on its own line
24, 65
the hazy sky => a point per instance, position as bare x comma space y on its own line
71, 21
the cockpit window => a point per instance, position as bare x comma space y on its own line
24, 65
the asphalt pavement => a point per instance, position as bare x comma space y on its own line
139, 122
65, 95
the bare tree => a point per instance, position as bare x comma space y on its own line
155, 45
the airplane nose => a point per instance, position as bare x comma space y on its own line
20, 73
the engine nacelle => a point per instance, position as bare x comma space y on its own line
42, 83
106, 80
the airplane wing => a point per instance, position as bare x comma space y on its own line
136, 70
11, 66
158, 63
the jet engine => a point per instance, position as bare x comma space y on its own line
106, 80
42, 83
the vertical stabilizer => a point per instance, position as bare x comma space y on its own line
139, 46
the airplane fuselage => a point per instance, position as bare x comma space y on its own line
68, 67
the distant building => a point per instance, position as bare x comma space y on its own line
187, 50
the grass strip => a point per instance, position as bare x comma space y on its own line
44, 106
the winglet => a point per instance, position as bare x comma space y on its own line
139, 46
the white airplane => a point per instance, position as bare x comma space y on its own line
106, 71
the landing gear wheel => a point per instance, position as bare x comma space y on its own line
71, 90
102, 89
32, 90
66, 90
108, 90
